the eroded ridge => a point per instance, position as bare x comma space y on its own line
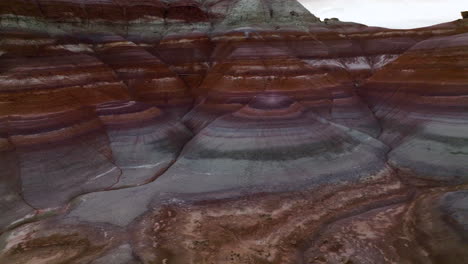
228, 132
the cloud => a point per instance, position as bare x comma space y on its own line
389, 13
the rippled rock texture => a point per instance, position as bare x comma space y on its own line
228, 132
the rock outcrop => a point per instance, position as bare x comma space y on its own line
216, 131
424, 119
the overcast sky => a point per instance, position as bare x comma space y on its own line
389, 13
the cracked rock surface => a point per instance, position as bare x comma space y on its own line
228, 132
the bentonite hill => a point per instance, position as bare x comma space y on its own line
228, 132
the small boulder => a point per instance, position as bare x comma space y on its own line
331, 20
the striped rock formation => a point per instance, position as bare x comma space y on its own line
425, 119
228, 131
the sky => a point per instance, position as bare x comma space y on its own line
396, 14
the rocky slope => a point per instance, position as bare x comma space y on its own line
216, 131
